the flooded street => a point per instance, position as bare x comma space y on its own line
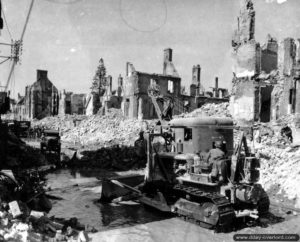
78, 194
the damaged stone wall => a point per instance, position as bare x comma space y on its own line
65, 102
92, 104
287, 56
245, 49
70, 103
41, 98
269, 55
242, 100
135, 100
245, 60
285, 94
78, 103
246, 57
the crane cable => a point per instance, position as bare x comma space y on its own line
22, 35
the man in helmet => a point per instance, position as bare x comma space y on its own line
140, 146
217, 161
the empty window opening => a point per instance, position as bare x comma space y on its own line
170, 86
188, 134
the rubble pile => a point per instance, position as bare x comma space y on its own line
279, 160
23, 211
210, 109
105, 130
18, 223
280, 167
111, 158
63, 123
101, 130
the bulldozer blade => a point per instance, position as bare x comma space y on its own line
120, 186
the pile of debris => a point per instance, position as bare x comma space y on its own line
210, 109
23, 211
110, 158
280, 168
105, 130
279, 160
18, 223
63, 123
100, 130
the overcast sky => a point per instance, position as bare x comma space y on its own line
68, 37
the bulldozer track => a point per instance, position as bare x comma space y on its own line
225, 210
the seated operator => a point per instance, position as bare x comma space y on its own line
140, 146
217, 160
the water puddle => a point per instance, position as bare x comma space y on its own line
78, 193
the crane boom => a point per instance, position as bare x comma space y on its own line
21, 39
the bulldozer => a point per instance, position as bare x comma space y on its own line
178, 179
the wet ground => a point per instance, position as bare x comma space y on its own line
78, 192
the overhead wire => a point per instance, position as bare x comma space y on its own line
8, 58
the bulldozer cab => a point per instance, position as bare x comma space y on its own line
191, 140
198, 135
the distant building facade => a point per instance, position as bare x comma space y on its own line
41, 99
71, 103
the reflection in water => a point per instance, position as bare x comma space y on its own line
80, 193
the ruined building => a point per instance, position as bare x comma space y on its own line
40, 100
265, 77
286, 94
251, 96
136, 103
198, 96
71, 103
109, 99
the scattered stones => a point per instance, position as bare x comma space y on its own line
279, 160
210, 109
96, 130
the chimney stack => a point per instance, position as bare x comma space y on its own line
167, 59
41, 74
127, 68
216, 91
109, 86
120, 85
168, 54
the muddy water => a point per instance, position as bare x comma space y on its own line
79, 192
